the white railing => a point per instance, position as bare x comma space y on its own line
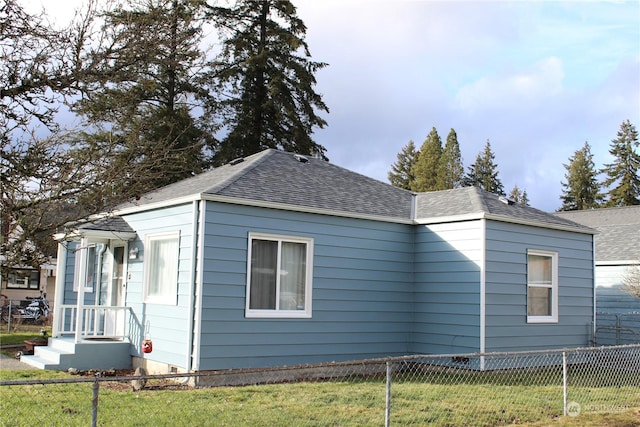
93, 321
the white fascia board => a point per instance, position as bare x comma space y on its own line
303, 209
503, 218
96, 235
561, 227
158, 205
621, 262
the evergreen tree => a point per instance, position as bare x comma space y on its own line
401, 174
581, 189
144, 96
484, 172
425, 169
266, 80
450, 169
519, 196
622, 174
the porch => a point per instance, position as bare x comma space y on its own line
88, 337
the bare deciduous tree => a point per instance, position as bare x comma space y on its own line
631, 281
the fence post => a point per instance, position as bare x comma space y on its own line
9, 317
387, 413
94, 404
564, 384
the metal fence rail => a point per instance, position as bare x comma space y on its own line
617, 328
443, 390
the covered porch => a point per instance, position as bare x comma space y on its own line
92, 326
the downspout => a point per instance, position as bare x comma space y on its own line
483, 289
195, 293
593, 281
61, 272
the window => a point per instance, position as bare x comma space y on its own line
542, 287
85, 266
279, 275
161, 267
23, 278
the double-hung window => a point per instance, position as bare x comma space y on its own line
161, 267
279, 272
542, 286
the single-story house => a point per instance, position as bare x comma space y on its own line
617, 252
281, 259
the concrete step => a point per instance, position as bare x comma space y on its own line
62, 354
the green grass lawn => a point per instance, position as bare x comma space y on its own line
336, 403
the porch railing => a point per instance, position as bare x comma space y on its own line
94, 322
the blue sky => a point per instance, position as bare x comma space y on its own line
537, 79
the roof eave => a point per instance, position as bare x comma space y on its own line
503, 218
304, 209
158, 205
533, 223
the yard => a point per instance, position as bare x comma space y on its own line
421, 394
56, 398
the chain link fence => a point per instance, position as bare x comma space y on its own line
444, 390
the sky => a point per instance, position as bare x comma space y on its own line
537, 79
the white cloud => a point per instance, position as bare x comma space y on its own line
517, 90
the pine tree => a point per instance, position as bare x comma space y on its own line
425, 169
622, 174
144, 98
266, 80
519, 196
450, 169
401, 174
581, 189
484, 172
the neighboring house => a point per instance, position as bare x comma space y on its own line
278, 259
617, 251
22, 283
19, 283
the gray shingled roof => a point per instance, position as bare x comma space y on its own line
112, 223
619, 231
278, 177
472, 200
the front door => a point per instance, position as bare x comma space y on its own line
112, 289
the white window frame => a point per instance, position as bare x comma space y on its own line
553, 318
171, 296
277, 313
82, 266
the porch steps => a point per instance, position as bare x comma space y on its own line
61, 354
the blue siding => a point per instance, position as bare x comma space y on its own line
362, 290
69, 296
447, 288
506, 288
167, 325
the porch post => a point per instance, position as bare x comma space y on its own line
58, 298
81, 257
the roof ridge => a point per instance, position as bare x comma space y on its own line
477, 195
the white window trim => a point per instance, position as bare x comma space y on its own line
553, 318
172, 297
80, 267
282, 314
